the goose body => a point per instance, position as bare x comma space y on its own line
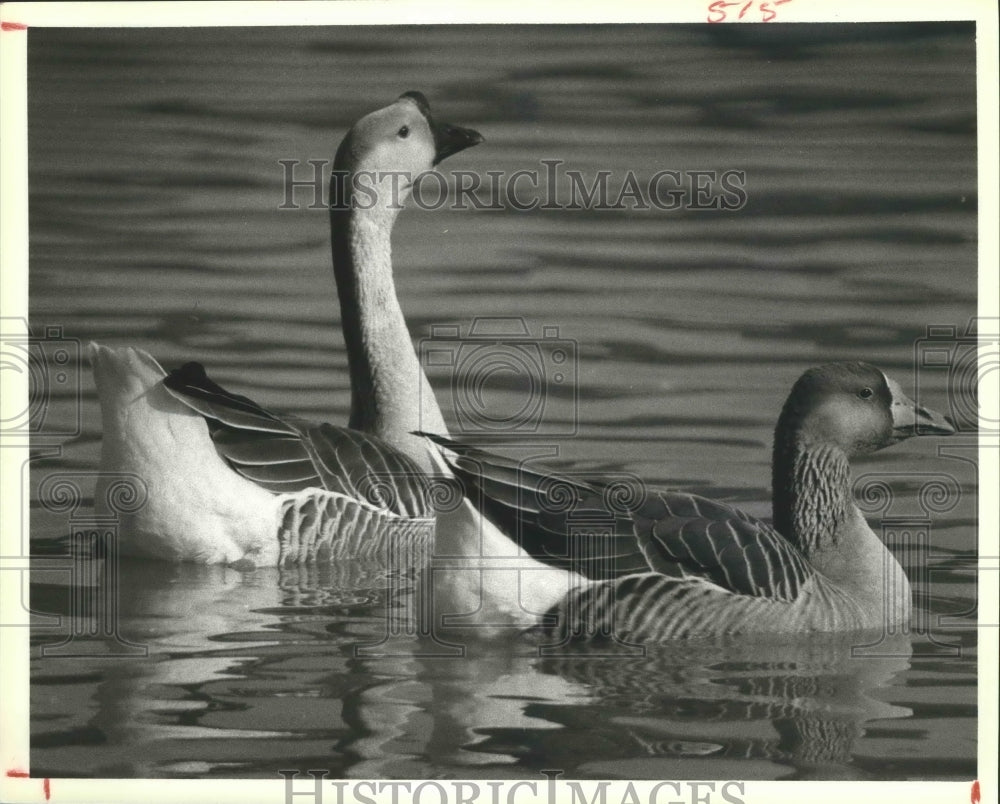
651, 564
228, 481
254, 489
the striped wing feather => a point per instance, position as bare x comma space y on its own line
557, 518
718, 542
286, 454
576, 523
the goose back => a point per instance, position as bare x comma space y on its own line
231, 482
287, 454
603, 531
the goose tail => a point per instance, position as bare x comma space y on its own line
124, 373
135, 407
194, 508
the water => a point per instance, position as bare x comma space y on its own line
155, 222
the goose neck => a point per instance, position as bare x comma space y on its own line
390, 396
811, 493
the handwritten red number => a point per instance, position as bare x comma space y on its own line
718, 7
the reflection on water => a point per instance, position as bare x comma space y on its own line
250, 671
155, 187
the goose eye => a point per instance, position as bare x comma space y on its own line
404, 132
865, 393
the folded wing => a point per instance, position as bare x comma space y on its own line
286, 454
607, 530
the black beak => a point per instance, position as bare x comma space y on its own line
448, 139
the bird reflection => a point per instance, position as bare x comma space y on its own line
251, 673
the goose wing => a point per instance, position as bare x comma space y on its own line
286, 454
713, 540
606, 529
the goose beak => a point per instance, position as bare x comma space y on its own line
449, 139
911, 419
930, 422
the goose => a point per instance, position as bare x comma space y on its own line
231, 482
658, 565
228, 481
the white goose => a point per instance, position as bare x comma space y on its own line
230, 482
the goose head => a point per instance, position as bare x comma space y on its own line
854, 407
388, 149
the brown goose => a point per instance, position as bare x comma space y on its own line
670, 564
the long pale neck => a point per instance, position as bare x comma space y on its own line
811, 493
390, 395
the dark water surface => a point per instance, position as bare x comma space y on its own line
155, 222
